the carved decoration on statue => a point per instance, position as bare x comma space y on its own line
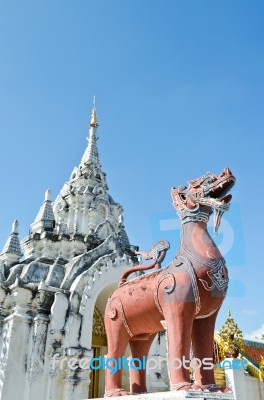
183, 298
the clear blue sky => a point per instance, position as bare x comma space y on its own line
180, 91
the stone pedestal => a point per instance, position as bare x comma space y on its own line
180, 395
235, 379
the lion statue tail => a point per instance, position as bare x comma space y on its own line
130, 271
157, 252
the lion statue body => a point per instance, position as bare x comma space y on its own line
183, 299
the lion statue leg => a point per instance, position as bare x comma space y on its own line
118, 338
179, 317
203, 347
139, 349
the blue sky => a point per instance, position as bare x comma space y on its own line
180, 91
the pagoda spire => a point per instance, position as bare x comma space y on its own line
11, 252
44, 220
84, 208
231, 337
94, 122
91, 155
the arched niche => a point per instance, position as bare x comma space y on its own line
99, 342
92, 308
98, 287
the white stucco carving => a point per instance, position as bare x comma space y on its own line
77, 247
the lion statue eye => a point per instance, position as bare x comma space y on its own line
183, 197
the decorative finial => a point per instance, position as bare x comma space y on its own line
231, 337
15, 226
94, 123
48, 195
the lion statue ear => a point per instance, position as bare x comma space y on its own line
195, 182
178, 198
182, 199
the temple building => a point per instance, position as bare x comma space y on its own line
54, 286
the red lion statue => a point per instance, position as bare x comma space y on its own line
184, 298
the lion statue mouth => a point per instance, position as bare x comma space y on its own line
209, 191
